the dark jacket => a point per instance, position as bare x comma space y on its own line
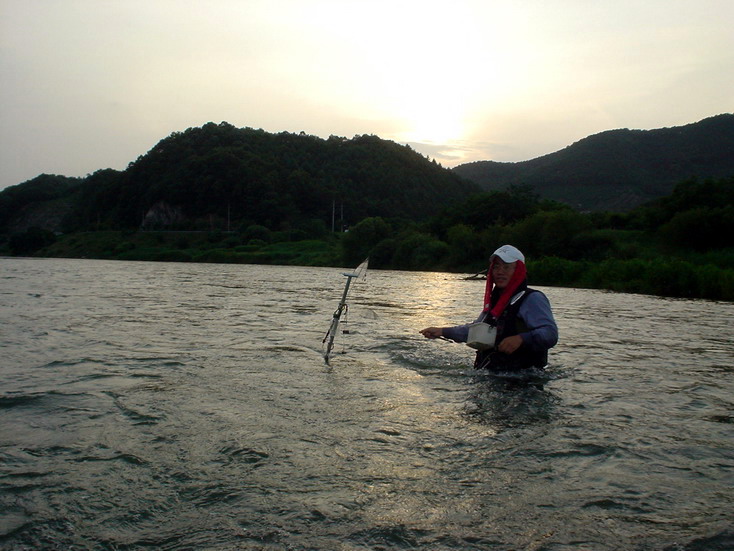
508, 325
529, 315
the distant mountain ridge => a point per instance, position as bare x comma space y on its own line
221, 177
617, 170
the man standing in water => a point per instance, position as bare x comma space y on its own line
522, 317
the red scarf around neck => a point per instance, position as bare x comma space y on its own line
515, 281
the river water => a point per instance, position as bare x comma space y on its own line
187, 406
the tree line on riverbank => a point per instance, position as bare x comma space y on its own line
218, 177
223, 194
681, 245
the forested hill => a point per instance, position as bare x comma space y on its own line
618, 170
219, 176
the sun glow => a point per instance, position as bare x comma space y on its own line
418, 64
420, 84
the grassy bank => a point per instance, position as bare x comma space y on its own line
192, 247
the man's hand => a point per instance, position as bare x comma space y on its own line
432, 332
510, 344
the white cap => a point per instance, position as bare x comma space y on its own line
508, 254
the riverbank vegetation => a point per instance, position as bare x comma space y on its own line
239, 195
681, 245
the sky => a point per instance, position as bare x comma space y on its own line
93, 84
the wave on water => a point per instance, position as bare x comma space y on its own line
188, 406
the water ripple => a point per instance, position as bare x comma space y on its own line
182, 406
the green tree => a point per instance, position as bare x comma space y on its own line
496, 207
30, 241
383, 253
257, 232
419, 251
465, 246
550, 233
358, 242
41, 189
700, 229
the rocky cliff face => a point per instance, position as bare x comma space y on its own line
162, 215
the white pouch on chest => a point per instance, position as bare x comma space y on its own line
481, 336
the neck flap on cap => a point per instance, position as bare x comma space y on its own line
517, 279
